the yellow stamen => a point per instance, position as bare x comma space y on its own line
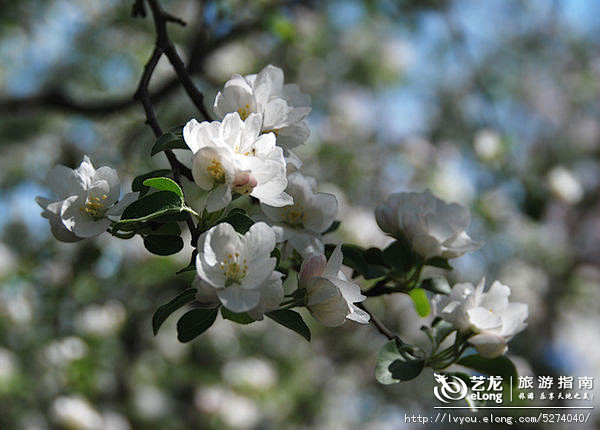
294, 215
244, 112
216, 170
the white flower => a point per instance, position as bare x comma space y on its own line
302, 223
330, 297
232, 156
283, 107
240, 268
271, 295
85, 201
433, 227
490, 315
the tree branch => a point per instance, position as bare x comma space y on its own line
143, 96
163, 42
380, 326
58, 99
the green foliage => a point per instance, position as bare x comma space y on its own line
405, 370
239, 221
420, 300
164, 184
152, 206
439, 262
169, 140
437, 285
367, 263
242, 318
292, 320
395, 365
138, 182
441, 330
163, 244
499, 366
333, 227
277, 254
195, 322
164, 311
400, 256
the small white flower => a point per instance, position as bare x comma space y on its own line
271, 295
490, 315
85, 201
432, 226
330, 297
240, 268
302, 223
283, 106
232, 156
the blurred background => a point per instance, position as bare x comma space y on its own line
491, 104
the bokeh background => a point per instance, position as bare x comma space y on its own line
493, 104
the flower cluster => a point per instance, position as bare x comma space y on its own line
86, 201
242, 262
261, 120
433, 227
489, 315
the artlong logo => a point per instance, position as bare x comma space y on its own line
456, 389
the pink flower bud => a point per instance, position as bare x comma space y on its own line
244, 182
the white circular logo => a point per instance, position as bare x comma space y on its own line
456, 389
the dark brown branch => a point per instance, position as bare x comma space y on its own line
380, 326
163, 42
142, 94
58, 99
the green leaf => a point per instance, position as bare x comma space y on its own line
163, 244
138, 182
399, 256
240, 222
440, 262
419, 298
437, 285
359, 259
386, 356
374, 256
152, 206
277, 254
390, 370
441, 330
333, 227
177, 130
169, 140
190, 267
164, 184
405, 370
172, 217
238, 318
168, 229
292, 320
353, 257
195, 322
499, 366
164, 311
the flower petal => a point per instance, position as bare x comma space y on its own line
238, 299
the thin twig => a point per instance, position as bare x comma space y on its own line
143, 96
380, 326
163, 42
60, 100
